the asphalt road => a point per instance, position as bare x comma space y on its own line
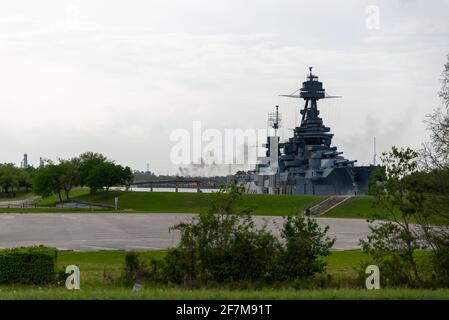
91, 232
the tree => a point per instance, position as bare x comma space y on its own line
394, 243
444, 92
48, 181
87, 161
25, 178
108, 174
69, 175
126, 176
435, 154
89, 169
9, 177
57, 178
435, 162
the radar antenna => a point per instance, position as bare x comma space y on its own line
311, 91
275, 120
297, 93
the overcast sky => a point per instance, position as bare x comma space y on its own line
117, 77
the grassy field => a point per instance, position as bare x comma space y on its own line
92, 264
186, 202
225, 294
355, 207
96, 266
51, 200
99, 268
361, 207
51, 210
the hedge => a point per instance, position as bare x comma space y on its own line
28, 265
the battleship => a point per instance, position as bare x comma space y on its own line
306, 164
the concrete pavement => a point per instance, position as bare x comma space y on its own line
104, 231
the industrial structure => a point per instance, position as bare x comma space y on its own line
24, 162
306, 163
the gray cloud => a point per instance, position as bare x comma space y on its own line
119, 78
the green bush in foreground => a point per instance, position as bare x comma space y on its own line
225, 246
32, 265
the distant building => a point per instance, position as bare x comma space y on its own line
24, 163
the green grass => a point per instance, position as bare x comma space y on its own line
344, 264
340, 264
51, 200
186, 202
212, 294
92, 264
97, 267
53, 210
355, 207
361, 207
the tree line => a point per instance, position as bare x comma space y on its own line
90, 169
13, 179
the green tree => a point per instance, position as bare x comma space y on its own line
9, 177
48, 181
108, 174
69, 175
87, 161
25, 178
394, 243
435, 153
435, 162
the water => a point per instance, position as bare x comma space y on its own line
158, 189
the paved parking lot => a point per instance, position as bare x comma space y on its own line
91, 232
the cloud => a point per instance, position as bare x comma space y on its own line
120, 80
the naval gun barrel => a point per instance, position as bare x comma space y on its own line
345, 161
332, 153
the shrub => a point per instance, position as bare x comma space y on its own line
138, 269
225, 246
440, 258
222, 245
221, 248
32, 265
390, 252
305, 243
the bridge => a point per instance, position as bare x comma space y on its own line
177, 183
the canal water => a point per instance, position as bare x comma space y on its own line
165, 189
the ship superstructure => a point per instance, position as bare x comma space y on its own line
308, 163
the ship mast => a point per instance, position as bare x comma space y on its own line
312, 90
274, 120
